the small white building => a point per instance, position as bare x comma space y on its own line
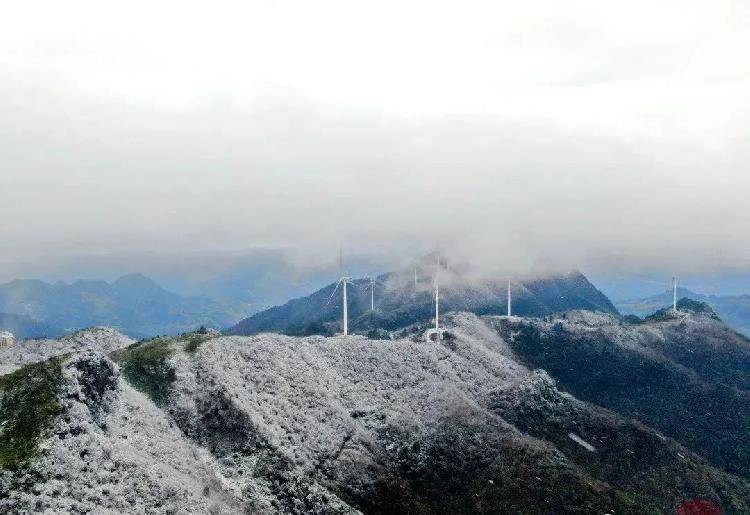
6, 339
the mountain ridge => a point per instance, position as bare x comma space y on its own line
26, 328
133, 304
275, 424
733, 309
684, 373
400, 302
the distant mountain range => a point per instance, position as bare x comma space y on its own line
733, 309
248, 281
133, 304
400, 301
25, 328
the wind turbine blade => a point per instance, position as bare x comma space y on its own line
333, 292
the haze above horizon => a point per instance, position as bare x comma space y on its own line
582, 134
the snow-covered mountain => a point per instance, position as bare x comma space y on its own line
280, 424
400, 300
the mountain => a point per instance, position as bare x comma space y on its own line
400, 302
622, 286
249, 281
685, 374
24, 328
733, 309
133, 304
274, 424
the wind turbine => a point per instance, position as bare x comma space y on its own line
343, 281
372, 294
509, 297
437, 305
437, 297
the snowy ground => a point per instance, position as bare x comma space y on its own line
31, 351
276, 424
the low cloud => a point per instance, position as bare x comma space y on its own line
630, 158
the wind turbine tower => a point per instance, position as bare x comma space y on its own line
674, 292
509, 298
437, 304
435, 334
437, 297
342, 282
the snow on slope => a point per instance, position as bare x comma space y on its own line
303, 392
275, 424
115, 452
33, 351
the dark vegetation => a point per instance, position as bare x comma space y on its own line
146, 365
28, 408
474, 464
691, 384
466, 467
650, 470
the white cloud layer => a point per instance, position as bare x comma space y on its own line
554, 133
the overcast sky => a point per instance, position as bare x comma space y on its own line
613, 133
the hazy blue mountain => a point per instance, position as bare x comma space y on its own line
248, 281
733, 309
133, 304
621, 286
400, 302
24, 328
263, 280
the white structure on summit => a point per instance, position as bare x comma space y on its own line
437, 304
6, 339
436, 333
674, 292
509, 311
372, 294
343, 282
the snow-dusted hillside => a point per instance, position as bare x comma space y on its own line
22, 353
686, 374
276, 424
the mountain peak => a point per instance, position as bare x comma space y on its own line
400, 301
695, 306
135, 279
685, 305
